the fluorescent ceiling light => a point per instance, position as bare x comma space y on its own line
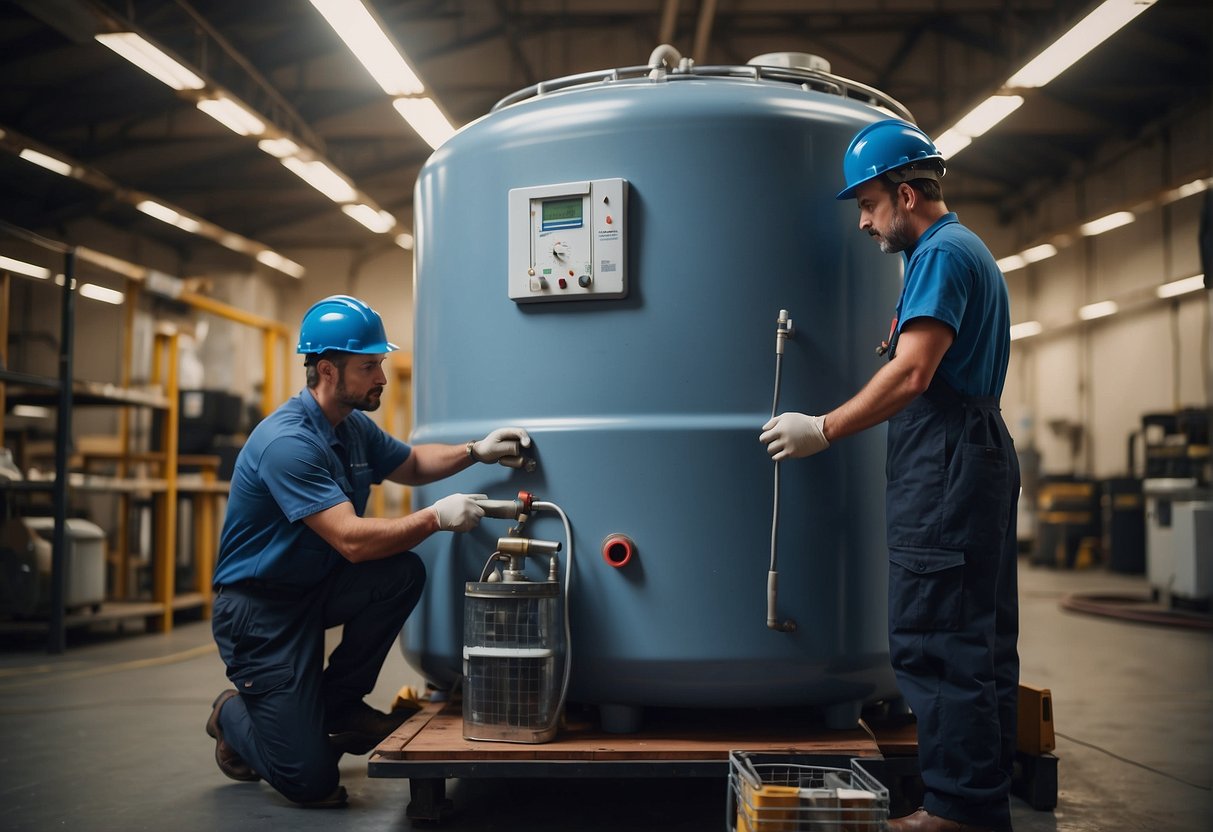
361, 33
21, 267
321, 177
276, 261
102, 293
1099, 226
49, 162
151, 60
423, 115
232, 116
1029, 255
1011, 263
31, 411
1026, 330
1037, 253
952, 142
986, 114
1181, 287
279, 148
405, 240
976, 122
166, 214
1102, 309
1088, 33
378, 221
1192, 188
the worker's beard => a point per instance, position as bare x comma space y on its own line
369, 401
897, 238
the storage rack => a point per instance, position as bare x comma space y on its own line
64, 393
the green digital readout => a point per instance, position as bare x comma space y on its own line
561, 213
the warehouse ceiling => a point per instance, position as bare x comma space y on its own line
66, 94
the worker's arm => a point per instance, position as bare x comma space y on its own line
920, 348
428, 463
359, 539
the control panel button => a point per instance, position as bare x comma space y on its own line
584, 281
564, 284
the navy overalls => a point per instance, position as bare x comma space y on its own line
953, 479
279, 586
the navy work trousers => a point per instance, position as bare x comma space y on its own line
953, 479
272, 641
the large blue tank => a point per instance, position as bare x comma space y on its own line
646, 409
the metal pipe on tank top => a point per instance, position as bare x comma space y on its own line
783, 330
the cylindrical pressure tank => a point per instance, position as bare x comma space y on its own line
602, 260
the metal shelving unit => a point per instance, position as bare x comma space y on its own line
64, 393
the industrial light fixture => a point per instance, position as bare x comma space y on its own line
1026, 330
423, 115
1037, 253
168, 215
276, 261
1188, 189
370, 45
31, 411
1106, 223
976, 122
321, 177
232, 116
151, 60
1102, 309
1010, 263
1029, 255
405, 240
102, 293
378, 221
1088, 33
46, 161
1181, 287
1084, 36
279, 148
21, 267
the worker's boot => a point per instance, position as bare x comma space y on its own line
230, 763
336, 800
360, 728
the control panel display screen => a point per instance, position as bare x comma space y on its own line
561, 213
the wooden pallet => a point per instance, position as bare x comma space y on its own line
429, 748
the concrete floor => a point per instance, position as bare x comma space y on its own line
109, 736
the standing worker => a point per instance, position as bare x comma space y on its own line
953, 479
296, 557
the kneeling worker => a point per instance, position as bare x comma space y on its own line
296, 557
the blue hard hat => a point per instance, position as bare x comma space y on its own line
885, 146
341, 322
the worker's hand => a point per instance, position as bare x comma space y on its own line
503, 445
459, 512
794, 435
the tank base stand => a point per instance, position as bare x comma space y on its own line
842, 715
621, 719
428, 800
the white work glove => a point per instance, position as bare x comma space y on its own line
502, 444
794, 435
459, 512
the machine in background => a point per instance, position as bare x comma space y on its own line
1179, 507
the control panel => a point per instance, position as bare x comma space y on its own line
568, 241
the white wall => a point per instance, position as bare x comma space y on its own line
1152, 356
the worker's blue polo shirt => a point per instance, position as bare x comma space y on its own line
951, 276
294, 465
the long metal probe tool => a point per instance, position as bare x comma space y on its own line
783, 330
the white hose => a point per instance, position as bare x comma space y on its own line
784, 329
568, 576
